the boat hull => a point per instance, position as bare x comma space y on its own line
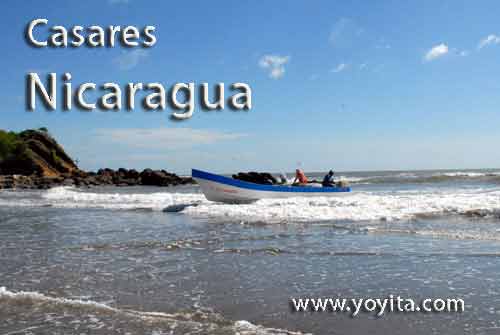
223, 189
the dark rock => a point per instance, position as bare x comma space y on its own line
46, 182
104, 179
187, 180
178, 208
67, 182
158, 178
6, 182
122, 171
81, 174
92, 180
145, 172
477, 213
132, 174
263, 178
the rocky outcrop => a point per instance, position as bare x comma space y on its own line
160, 178
33, 159
148, 177
37, 153
103, 177
30, 182
256, 177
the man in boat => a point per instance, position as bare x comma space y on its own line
300, 178
328, 180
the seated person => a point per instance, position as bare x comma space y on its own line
328, 180
300, 178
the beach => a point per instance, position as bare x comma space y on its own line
110, 260
246, 168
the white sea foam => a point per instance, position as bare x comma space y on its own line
461, 174
188, 320
4, 293
467, 174
356, 180
359, 206
76, 198
411, 177
363, 206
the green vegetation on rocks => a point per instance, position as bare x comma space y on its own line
33, 159
33, 152
10, 145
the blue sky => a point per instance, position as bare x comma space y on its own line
351, 85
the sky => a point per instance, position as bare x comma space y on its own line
347, 85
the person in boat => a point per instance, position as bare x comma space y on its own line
300, 178
328, 180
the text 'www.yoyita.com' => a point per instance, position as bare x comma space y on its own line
379, 306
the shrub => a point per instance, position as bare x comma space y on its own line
9, 144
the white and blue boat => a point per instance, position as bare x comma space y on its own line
228, 190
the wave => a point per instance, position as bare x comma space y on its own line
79, 198
359, 206
356, 207
100, 315
465, 174
425, 177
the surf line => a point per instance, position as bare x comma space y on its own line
112, 97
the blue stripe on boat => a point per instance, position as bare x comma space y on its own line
258, 187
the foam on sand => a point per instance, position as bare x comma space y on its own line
98, 315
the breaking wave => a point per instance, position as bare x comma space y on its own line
359, 206
425, 178
362, 206
36, 307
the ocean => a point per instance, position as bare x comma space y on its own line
110, 260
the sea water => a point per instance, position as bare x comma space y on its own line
110, 260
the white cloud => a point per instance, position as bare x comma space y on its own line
437, 51
339, 68
275, 65
344, 31
129, 60
165, 138
338, 28
490, 39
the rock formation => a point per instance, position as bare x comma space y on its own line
256, 177
33, 159
36, 152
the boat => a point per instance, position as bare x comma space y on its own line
219, 188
